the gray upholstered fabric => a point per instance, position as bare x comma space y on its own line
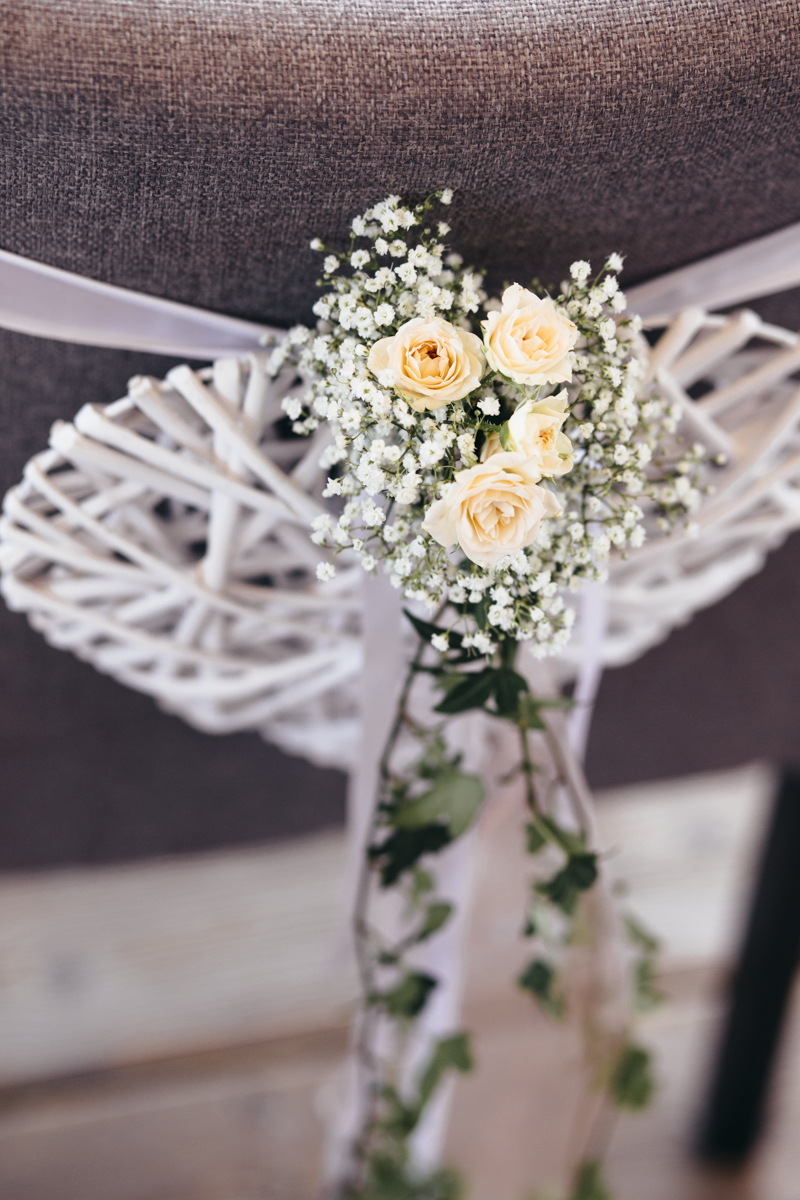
192, 148
719, 693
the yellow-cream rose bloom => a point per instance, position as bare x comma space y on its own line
492, 509
535, 431
430, 362
529, 340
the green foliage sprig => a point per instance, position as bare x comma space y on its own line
424, 805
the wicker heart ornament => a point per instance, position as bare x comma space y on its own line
164, 538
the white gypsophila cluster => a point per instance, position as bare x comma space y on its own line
390, 459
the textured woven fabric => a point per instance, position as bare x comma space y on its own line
721, 692
192, 149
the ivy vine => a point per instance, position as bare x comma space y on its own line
426, 801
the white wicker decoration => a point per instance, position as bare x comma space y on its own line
747, 410
164, 538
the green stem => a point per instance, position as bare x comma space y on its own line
527, 769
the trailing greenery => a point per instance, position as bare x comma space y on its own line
426, 801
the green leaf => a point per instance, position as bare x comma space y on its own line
560, 891
647, 995
472, 691
529, 712
507, 687
505, 436
582, 869
463, 656
409, 997
434, 760
590, 1184
539, 979
565, 839
632, 1084
450, 1053
426, 630
392, 1178
400, 1118
534, 838
403, 848
578, 875
421, 882
479, 610
436, 915
640, 936
454, 798
509, 648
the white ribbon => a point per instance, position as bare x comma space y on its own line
50, 303
760, 267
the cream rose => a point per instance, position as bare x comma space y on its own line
529, 340
431, 363
492, 509
535, 431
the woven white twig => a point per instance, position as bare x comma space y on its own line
165, 539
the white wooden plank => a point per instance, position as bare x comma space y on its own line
117, 964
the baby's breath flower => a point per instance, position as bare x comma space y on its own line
384, 314
292, 406
407, 273
490, 405
466, 443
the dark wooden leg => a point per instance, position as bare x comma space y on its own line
760, 990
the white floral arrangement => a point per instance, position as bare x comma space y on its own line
490, 453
